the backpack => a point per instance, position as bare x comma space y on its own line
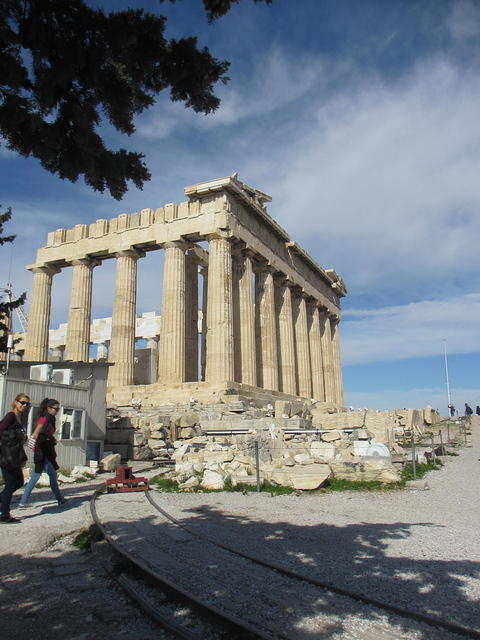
12, 454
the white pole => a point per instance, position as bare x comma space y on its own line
9, 351
449, 398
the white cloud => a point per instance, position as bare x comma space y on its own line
382, 180
414, 330
412, 398
274, 82
464, 20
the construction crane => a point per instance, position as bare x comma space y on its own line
9, 296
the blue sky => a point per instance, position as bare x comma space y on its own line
361, 120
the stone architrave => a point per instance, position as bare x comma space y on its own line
266, 329
191, 317
286, 339
122, 341
337, 360
316, 360
78, 328
327, 352
219, 365
171, 357
244, 319
36, 344
304, 373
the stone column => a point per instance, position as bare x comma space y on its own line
337, 361
316, 359
191, 317
102, 351
286, 339
171, 355
122, 340
244, 320
266, 330
57, 353
78, 328
219, 366
327, 353
203, 348
304, 373
152, 343
36, 342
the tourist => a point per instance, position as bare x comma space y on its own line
452, 409
477, 410
468, 410
44, 456
12, 455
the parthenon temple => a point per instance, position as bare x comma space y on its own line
269, 314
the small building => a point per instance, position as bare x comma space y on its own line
79, 387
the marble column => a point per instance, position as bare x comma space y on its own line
316, 359
244, 320
304, 373
327, 353
171, 355
152, 343
219, 367
266, 330
203, 343
286, 339
36, 342
122, 340
191, 317
58, 353
337, 361
102, 350
79, 315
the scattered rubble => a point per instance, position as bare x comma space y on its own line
298, 444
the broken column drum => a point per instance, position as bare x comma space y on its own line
269, 323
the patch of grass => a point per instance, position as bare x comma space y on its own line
85, 537
451, 453
340, 484
421, 468
163, 484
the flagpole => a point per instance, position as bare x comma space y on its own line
449, 397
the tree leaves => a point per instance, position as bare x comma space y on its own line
66, 67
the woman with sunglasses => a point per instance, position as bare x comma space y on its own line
12, 454
44, 456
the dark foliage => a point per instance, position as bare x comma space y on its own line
217, 8
65, 66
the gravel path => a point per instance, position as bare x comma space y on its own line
418, 549
50, 590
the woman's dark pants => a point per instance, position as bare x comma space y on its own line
13, 481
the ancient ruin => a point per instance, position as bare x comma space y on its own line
270, 314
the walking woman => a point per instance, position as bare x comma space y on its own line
44, 456
12, 455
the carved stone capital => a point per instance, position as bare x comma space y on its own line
130, 253
48, 269
88, 262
